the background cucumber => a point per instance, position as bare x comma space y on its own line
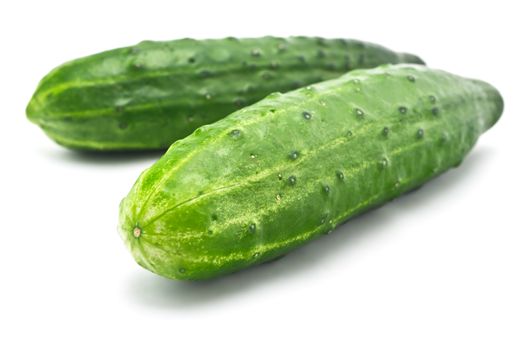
293, 166
149, 95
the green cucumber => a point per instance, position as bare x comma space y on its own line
275, 175
149, 95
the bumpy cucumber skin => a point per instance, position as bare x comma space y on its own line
274, 175
149, 95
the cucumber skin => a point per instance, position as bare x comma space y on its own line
149, 95
253, 186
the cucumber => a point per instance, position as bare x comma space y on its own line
149, 95
275, 175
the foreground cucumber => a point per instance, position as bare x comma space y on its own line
151, 94
293, 166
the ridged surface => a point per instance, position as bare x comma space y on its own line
151, 94
276, 174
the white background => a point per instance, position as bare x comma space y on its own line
441, 268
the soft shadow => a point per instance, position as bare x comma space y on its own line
103, 158
153, 291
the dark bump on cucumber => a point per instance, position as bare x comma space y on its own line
235, 133
383, 163
294, 155
307, 115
